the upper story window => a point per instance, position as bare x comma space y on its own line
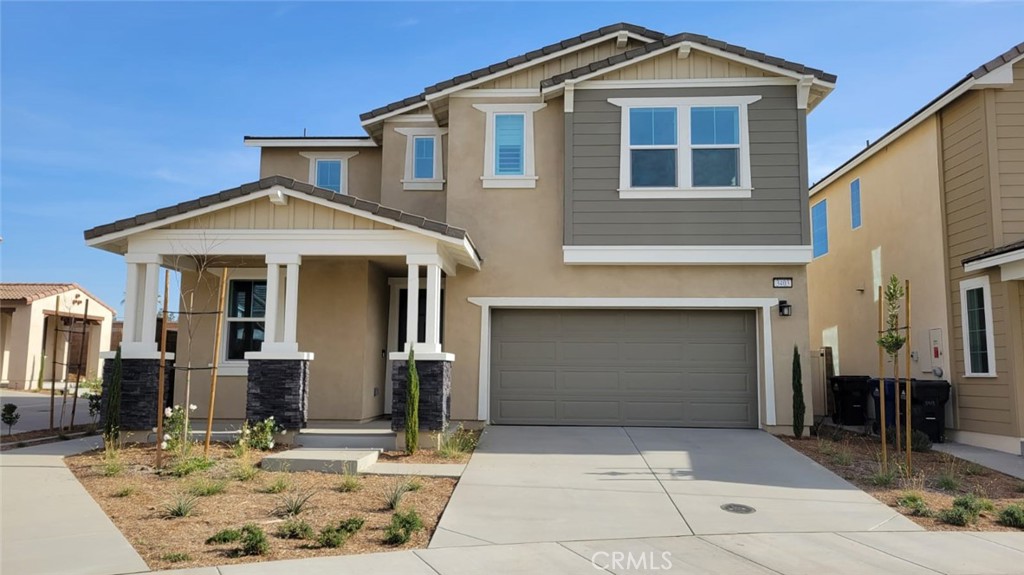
976, 324
424, 166
329, 170
855, 203
508, 145
246, 307
685, 147
819, 228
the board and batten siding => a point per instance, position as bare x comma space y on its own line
1009, 139
776, 214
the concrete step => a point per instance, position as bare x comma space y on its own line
350, 461
383, 439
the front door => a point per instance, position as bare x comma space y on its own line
397, 329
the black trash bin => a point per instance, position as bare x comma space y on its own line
928, 407
890, 403
850, 398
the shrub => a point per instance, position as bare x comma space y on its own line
947, 481
973, 504
95, 405
112, 415
176, 429
207, 487
331, 537
293, 504
1012, 516
394, 492
112, 464
10, 416
403, 525
185, 466
245, 471
798, 396
176, 557
883, 477
182, 505
412, 406
956, 516
415, 485
842, 456
352, 524
259, 435
294, 529
350, 484
254, 541
914, 504
224, 536
457, 443
920, 442
280, 485
126, 491
972, 468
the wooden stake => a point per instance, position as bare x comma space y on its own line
216, 347
53, 372
81, 349
906, 296
881, 386
896, 402
160, 378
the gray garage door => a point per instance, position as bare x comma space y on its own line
682, 368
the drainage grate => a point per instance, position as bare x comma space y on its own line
738, 508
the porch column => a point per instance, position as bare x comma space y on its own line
149, 304
270, 320
280, 324
291, 304
140, 310
433, 339
412, 308
131, 302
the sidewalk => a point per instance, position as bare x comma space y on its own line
1002, 462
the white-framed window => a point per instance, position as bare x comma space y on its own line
329, 170
246, 309
685, 147
424, 165
976, 327
508, 145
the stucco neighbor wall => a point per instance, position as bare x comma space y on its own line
900, 207
364, 168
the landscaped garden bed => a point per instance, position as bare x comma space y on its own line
324, 513
941, 493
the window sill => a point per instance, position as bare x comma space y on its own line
508, 182
683, 193
232, 368
981, 375
422, 185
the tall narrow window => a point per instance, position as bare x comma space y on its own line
855, 203
423, 157
653, 146
246, 310
328, 175
819, 228
715, 146
976, 320
509, 148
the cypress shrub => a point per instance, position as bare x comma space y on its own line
412, 407
798, 396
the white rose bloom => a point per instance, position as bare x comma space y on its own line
270, 445
154, 430
167, 437
168, 412
193, 407
163, 445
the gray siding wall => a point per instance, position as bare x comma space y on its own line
776, 214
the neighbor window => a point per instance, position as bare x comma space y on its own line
976, 324
246, 310
508, 145
855, 203
819, 228
329, 170
328, 175
685, 147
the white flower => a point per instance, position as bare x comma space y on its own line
167, 437
284, 432
270, 445
192, 407
154, 430
163, 445
271, 418
168, 412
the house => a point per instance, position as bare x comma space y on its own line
30, 330
596, 232
938, 200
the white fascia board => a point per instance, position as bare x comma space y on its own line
687, 255
993, 261
684, 83
627, 302
309, 143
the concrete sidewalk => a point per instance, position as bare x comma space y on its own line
1012, 465
51, 525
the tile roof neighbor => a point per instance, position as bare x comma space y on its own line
998, 61
995, 252
30, 292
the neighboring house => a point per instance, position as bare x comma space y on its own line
938, 200
586, 234
28, 320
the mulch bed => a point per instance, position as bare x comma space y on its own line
856, 458
141, 518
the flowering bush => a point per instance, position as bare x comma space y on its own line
175, 428
259, 435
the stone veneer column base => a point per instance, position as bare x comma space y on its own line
278, 388
435, 394
139, 381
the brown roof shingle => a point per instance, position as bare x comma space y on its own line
30, 292
995, 252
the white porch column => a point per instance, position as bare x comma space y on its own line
281, 321
291, 305
139, 340
412, 308
131, 303
149, 305
272, 303
433, 335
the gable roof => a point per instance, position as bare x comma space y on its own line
953, 92
29, 292
1008, 248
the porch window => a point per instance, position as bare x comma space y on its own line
976, 322
246, 310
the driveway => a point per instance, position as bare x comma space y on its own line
538, 484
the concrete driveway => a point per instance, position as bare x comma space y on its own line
538, 484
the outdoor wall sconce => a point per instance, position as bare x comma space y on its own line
785, 310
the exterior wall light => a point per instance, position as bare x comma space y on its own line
785, 310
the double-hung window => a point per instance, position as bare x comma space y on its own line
246, 311
508, 145
976, 324
819, 228
328, 175
424, 168
423, 157
685, 147
329, 170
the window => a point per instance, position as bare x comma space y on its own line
329, 170
508, 145
424, 169
423, 158
328, 175
976, 324
855, 203
246, 308
685, 147
819, 228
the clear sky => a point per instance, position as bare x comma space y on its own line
112, 109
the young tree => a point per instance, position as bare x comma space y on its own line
10, 416
112, 417
412, 407
799, 409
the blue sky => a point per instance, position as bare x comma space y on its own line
111, 109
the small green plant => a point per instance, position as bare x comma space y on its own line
415, 485
335, 535
973, 469
883, 477
457, 443
239, 450
892, 339
187, 465
920, 442
293, 504
10, 416
1012, 516
259, 435
799, 408
956, 516
207, 487
826, 446
412, 406
254, 541
112, 464
224, 536
182, 505
973, 503
126, 491
176, 557
95, 405
279, 485
842, 456
947, 481
245, 471
294, 529
914, 504
349, 484
403, 525
394, 492
352, 524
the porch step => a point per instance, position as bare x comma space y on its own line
348, 461
351, 438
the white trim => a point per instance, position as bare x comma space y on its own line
980, 282
497, 93
803, 92
684, 83
529, 177
765, 305
684, 170
1004, 443
310, 142
413, 118
993, 261
295, 355
232, 369
240, 274
422, 356
686, 255
410, 182
342, 157
128, 352
1012, 271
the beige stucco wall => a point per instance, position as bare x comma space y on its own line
427, 203
900, 207
363, 176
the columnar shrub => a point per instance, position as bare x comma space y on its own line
412, 406
798, 396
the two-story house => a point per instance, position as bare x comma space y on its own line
609, 230
938, 200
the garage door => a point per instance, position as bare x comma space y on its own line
681, 368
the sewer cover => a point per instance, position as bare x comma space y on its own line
738, 508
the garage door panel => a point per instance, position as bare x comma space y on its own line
652, 321
527, 351
529, 411
648, 351
588, 381
720, 414
717, 352
526, 380
649, 412
576, 351
722, 382
591, 321
718, 321
527, 321
589, 411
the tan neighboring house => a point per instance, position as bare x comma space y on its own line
29, 328
938, 200
597, 232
